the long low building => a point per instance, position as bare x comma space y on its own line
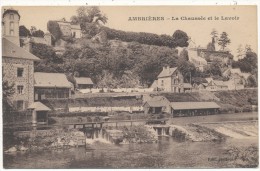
51, 86
194, 108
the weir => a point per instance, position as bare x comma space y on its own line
162, 130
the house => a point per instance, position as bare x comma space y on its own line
76, 31
216, 85
157, 105
171, 79
65, 27
194, 108
84, 82
17, 63
51, 85
231, 71
68, 29
154, 85
198, 61
236, 77
27, 42
202, 86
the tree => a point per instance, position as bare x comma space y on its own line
50, 62
248, 48
224, 40
88, 15
210, 46
214, 69
214, 35
24, 32
240, 52
248, 63
54, 28
38, 33
184, 55
251, 81
181, 38
7, 90
187, 69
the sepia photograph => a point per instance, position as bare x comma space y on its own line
130, 87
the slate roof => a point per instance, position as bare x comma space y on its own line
167, 73
219, 83
76, 27
11, 50
83, 80
38, 106
11, 11
156, 103
59, 80
194, 105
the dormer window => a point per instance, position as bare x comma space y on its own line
11, 16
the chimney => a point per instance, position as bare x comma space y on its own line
167, 69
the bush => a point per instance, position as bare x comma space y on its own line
247, 108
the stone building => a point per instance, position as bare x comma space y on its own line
68, 29
17, 63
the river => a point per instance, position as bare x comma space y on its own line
166, 153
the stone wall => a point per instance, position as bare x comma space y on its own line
10, 66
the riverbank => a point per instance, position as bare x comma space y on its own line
63, 138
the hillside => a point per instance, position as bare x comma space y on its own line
118, 64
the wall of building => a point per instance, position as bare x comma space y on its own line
51, 93
177, 81
65, 28
76, 33
164, 83
7, 27
10, 66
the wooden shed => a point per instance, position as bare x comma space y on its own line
194, 108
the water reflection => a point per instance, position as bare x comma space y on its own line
167, 153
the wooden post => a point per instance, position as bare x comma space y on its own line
34, 119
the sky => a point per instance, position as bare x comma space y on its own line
242, 31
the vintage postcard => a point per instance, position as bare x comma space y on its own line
130, 87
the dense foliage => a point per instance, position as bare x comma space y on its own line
116, 64
54, 28
179, 37
23, 31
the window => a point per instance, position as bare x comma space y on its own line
11, 25
11, 16
11, 28
11, 32
162, 83
19, 72
20, 105
20, 89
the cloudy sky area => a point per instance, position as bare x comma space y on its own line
242, 31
